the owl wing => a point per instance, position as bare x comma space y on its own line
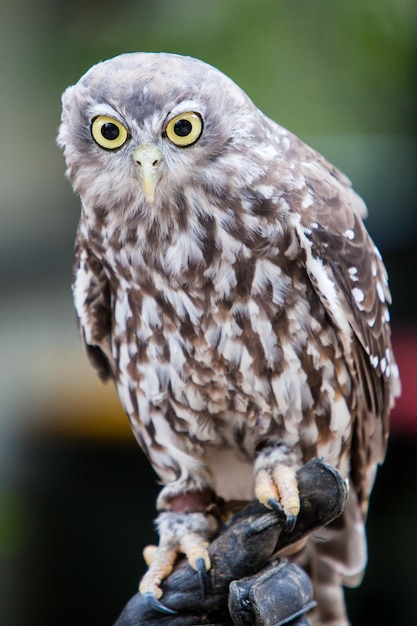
350, 279
92, 302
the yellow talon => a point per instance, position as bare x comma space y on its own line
278, 484
149, 554
180, 534
284, 478
265, 488
195, 549
163, 560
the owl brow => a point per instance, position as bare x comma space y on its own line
185, 106
106, 108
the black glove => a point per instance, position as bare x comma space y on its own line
243, 585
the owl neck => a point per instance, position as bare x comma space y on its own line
194, 243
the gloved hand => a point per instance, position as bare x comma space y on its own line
245, 585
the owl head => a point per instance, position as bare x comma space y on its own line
140, 129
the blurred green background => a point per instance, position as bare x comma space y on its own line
76, 494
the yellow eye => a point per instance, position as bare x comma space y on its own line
184, 129
109, 133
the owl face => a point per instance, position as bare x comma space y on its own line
141, 129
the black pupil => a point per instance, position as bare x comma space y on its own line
182, 128
110, 131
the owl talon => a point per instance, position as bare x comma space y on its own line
276, 484
291, 519
149, 553
158, 606
162, 564
275, 505
290, 523
202, 575
180, 534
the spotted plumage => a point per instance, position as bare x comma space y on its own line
229, 287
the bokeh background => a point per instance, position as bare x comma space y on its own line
76, 494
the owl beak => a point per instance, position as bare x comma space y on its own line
148, 159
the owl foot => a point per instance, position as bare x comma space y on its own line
276, 484
180, 533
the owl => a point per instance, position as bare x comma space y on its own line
225, 281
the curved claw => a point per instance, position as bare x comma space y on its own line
291, 519
158, 606
202, 575
275, 505
290, 523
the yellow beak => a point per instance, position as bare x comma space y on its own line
148, 159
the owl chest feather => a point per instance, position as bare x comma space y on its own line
243, 354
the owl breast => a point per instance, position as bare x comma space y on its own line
213, 370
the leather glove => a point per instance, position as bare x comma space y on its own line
245, 585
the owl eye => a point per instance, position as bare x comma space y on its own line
108, 133
184, 129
